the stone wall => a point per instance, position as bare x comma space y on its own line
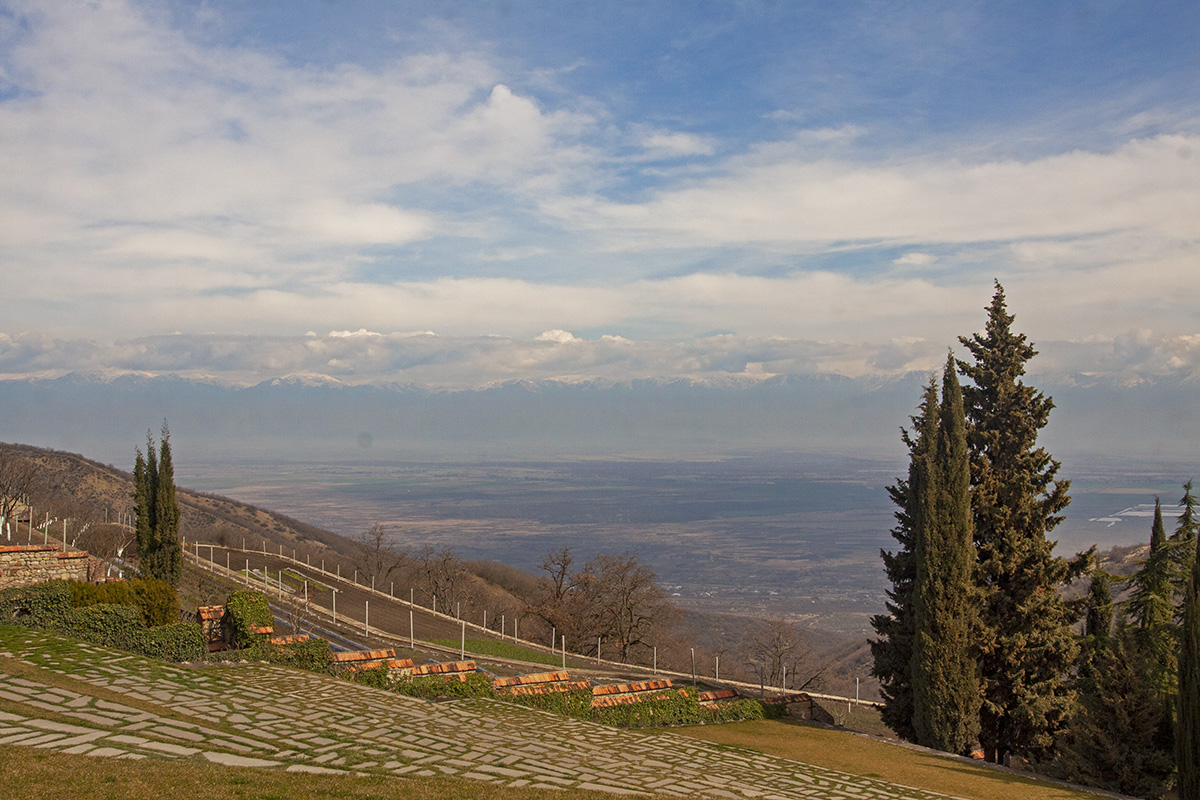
22, 566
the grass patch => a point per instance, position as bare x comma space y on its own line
858, 755
46, 775
502, 649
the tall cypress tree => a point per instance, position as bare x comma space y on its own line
1183, 542
143, 505
1187, 728
1151, 606
892, 652
166, 516
944, 666
160, 554
1028, 647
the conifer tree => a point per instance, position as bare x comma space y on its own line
1151, 606
1183, 542
143, 502
1028, 648
166, 515
892, 652
944, 666
1114, 735
1097, 627
1187, 729
160, 554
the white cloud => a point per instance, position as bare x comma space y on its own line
765, 198
915, 259
470, 361
556, 335
662, 144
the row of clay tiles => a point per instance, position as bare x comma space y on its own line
539, 683
542, 683
40, 548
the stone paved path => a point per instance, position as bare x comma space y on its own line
265, 716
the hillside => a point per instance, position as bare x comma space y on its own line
91, 496
221, 731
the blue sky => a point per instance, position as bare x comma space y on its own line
460, 193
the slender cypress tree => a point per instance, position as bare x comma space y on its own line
1151, 606
1028, 648
1097, 628
1183, 542
945, 681
166, 516
1187, 729
144, 523
157, 533
893, 650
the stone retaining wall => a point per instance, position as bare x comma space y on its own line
25, 565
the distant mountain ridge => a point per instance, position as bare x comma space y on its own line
307, 413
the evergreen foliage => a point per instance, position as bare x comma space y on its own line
1027, 645
1097, 628
1151, 606
160, 554
1115, 735
944, 680
157, 600
249, 612
1183, 543
892, 652
1187, 731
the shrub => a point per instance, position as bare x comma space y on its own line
107, 624
312, 655
576, 703
183, 641
40, 606
375, 676
656, 709
744, 708
247, 610
156, 600
476, 684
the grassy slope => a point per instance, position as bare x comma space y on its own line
31, 774
859, 755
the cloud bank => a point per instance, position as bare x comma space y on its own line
165, 171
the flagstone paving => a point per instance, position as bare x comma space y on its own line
258, 715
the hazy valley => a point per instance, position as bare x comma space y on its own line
791, 536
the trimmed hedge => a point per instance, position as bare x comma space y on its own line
48, 606
741, 709
157, 600
183, 641
107, 624
41, 606
312, 655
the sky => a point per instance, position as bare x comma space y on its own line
460, 193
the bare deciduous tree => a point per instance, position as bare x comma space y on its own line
20, 477
781, 655
375, 557
614, 598
442, 575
